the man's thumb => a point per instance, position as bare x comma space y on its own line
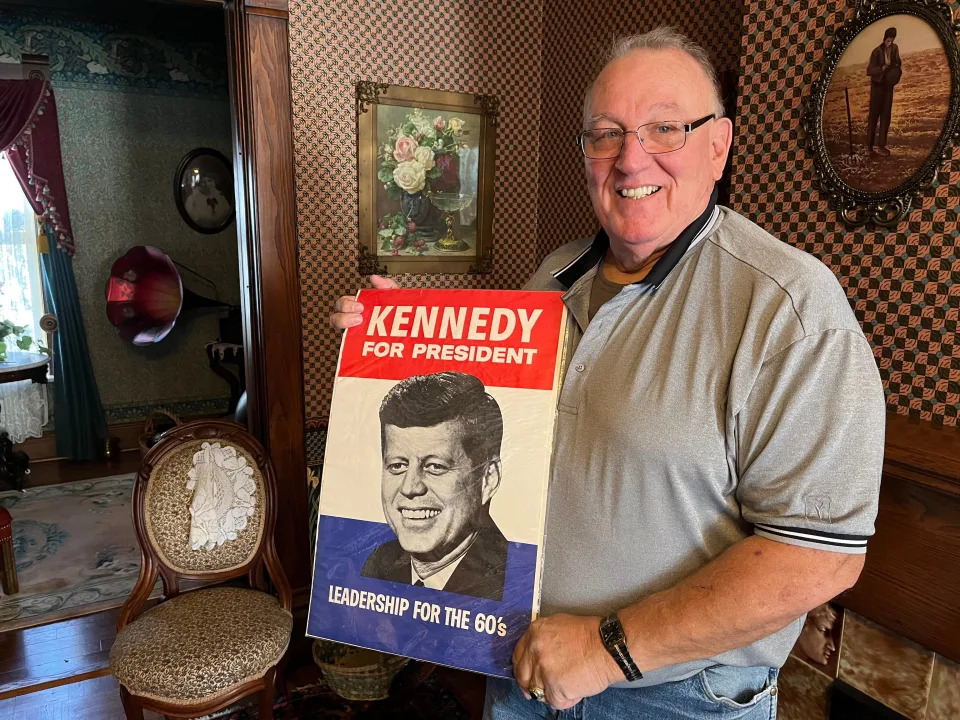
382, 283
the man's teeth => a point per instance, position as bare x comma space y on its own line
639, 192
419, 514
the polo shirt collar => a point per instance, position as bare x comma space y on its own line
594, 253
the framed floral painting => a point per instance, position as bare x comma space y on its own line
426, 164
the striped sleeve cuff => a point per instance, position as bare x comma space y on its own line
816, 539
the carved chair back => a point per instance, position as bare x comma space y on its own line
204, 508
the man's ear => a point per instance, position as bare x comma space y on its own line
491, 481
721, 138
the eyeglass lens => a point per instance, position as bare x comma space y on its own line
657, 137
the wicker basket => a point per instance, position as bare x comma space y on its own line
354, 673
152, 429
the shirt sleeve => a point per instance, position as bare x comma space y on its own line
810, 444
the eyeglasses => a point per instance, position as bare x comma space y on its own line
658, 137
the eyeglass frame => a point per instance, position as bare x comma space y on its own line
687, 129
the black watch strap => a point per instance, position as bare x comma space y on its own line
615, 641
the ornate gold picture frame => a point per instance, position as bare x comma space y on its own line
425, 171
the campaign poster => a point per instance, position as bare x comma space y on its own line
435, 475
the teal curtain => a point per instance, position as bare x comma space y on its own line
81, 429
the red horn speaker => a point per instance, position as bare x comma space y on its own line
145, 296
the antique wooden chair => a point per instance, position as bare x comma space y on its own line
204, 506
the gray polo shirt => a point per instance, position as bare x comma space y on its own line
733, 395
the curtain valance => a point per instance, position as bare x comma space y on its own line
30, 138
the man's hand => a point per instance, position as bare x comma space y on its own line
346, 310
563, 655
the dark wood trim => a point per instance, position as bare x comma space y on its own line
282, 5
911, 580
268, 12
924, 453
59, 470
126, 434
266, 219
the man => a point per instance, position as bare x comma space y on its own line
440, 439
884, 71
720, 427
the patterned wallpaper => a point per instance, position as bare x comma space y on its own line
144, 53
120, 153
902, 283
576, 35
471, 46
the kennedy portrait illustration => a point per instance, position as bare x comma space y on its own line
440, 438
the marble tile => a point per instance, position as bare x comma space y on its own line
944, 703
885, 666
804, 692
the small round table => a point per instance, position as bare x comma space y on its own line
18, 366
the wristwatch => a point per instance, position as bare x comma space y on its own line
614, 640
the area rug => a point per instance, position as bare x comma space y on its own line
75, 548
430, 700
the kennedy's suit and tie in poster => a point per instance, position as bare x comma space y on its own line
480, 573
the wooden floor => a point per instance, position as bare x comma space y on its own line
61, 672
47, 656
94, 699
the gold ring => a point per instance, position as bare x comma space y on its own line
537, 693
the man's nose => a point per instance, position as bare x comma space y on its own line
633, 156
413, 484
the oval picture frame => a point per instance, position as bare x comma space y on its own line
203, 191
918, 119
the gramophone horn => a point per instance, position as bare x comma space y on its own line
145, 296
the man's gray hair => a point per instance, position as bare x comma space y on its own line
663, 38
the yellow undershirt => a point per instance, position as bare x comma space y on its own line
610, 280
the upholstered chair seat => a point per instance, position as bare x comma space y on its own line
201, 645
204, 508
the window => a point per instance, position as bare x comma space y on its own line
21, 292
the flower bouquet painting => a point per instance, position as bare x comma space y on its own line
427, 196
426, 168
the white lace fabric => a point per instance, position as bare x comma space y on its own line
23, 409
224, 495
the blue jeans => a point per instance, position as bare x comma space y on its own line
721, 692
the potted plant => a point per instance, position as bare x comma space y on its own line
16, 336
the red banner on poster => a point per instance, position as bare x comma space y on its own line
505, 338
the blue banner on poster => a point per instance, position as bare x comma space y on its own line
447, 628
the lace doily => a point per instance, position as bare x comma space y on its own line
224, 495
23, 409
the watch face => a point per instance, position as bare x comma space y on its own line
611, 631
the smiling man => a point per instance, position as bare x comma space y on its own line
719, 438
440, 440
